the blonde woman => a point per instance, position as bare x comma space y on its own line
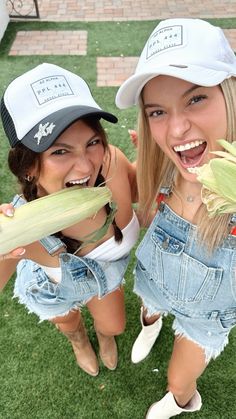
185, 86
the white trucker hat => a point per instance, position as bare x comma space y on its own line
189, 49
40, 104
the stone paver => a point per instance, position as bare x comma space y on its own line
49, 43
112, 71
123, 10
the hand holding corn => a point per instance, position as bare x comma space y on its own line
8, 211
48, 215
218, 178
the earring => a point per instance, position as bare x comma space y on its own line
28, 178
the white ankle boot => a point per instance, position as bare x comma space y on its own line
167, 407
145, 340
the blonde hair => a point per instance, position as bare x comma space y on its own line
155, 169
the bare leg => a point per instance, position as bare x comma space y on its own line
149, 320
187, 363
109, 313
109, 320
68, 323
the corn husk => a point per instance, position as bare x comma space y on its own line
50, 214
218, 178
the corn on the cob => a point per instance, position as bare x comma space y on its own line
218, 178
50, 214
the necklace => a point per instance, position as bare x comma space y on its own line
189, 198
183, 201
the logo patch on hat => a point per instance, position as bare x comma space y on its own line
50, 88
44, 131
165, 38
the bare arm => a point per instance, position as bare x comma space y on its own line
8, 262
34, 251
7, 268
8, 211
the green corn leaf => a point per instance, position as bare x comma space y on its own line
230, 147
215, 204
218, 178
205, 175
226, 155
224, 172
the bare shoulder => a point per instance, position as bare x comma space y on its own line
118, 168
118, 159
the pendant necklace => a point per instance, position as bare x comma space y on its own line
190, 198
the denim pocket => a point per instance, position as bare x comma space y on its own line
227, 319
78, 273
40, 287
166, 243
84, 282
181, 276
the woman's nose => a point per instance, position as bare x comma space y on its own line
82, 164
179, 124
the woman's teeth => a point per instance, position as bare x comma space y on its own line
193, 170
78, 182
191, 154
188, 146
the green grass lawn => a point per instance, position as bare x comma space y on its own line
39, 376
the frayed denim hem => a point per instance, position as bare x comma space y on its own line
150, 310
210, 353
76, 306
43, 317
117, 287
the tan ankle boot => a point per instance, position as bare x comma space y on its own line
107, 350
83, 350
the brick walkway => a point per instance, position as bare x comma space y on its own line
50, 43
111, 71
107, 10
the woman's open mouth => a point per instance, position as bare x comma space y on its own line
81, 182
191, 154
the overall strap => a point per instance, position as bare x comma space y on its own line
52, 244
164, 191
233, 224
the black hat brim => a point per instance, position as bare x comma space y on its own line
45, 133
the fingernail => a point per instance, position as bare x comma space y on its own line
22, 252
9, 212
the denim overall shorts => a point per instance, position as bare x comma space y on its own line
82, 278
175, 274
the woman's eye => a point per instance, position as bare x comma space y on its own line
196, 99
59, 152
95, 141
154, 114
